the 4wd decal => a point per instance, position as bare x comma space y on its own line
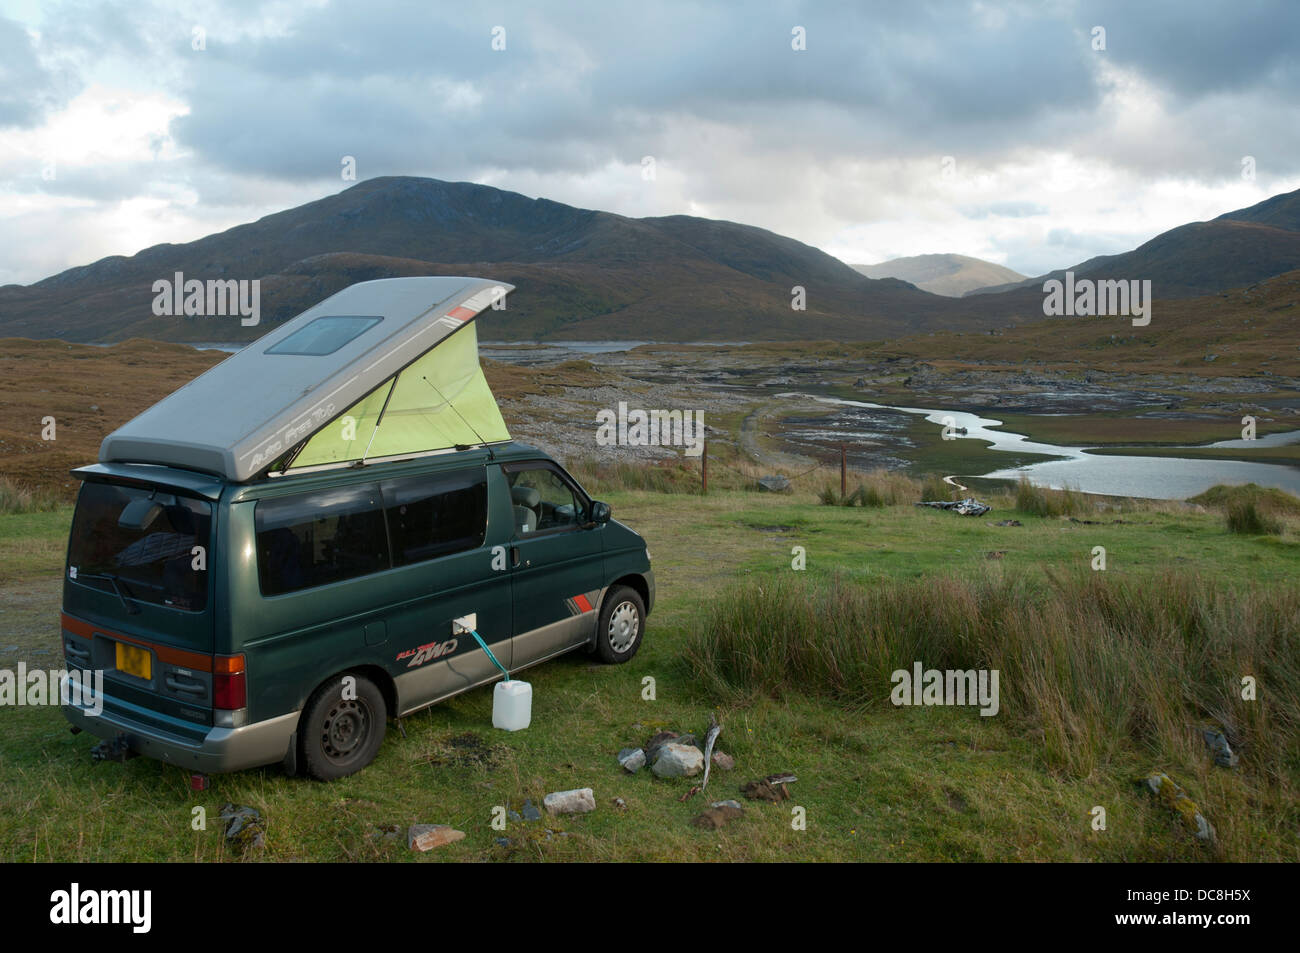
424, 653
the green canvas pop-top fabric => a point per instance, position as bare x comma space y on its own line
440, 401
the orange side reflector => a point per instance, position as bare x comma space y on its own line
228, 664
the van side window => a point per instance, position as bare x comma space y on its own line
436, 515
543, 500
319, 538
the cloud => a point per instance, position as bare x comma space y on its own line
900, 129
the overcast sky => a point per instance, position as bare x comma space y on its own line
988, 129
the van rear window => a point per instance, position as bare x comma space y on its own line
319, 538
139, 543
437, 515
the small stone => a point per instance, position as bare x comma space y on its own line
724, 761
531, 813
632, 759
578, 801
678, 761
716, 817
1217, 742
424, 837
774, 483
730, 802
1171, 794
620, 804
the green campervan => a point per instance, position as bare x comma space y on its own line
294, 547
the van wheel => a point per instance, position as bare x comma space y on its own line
622, 621
340, 736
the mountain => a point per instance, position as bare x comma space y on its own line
579, 273
1200, 258
951, 275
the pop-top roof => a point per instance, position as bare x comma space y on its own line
359, 360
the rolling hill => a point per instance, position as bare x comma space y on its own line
579, 273
1200, 258
950, 275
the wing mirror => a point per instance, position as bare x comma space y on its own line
599, 512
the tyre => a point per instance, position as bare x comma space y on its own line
621, 625
341, 735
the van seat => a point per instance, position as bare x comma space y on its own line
525, 519
527, 496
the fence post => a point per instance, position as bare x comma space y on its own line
844, 472
704, 469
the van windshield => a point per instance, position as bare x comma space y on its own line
139, 544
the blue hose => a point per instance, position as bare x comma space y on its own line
478, 638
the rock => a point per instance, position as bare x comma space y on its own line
632, 759
424, 837
775, 483
1175, 798
771, 788
687, 739
620, 804
718, 816
730, 802
95, 407
578, 801
1217, 742
655, 743
1007, 523
387, 832
243, 827
678, 761
724, 761
531, 813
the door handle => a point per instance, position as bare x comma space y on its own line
514, 556
178, 686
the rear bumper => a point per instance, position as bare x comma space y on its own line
221, 750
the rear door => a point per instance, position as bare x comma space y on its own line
557, 561
138, 600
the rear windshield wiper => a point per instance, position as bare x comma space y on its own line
118, 587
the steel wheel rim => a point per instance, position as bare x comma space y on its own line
624, 626
345, 730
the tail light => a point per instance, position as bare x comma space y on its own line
228, 689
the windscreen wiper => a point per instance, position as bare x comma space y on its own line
118, 588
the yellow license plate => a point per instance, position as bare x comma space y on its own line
134, 661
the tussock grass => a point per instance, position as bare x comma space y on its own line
15, 498
1038, 501
1249, 518
1250, 509
1098, 667
1276, 502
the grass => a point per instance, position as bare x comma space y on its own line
1106, 670
878, 782
1040, 501
16, 498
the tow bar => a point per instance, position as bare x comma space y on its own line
116, 749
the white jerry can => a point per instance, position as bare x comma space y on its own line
512, 705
